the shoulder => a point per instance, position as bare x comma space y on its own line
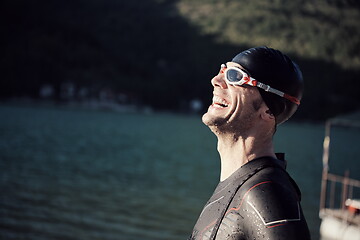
273, 196
275, 203
269, 204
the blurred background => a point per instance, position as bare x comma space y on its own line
100, 105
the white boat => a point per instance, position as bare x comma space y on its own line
339, 209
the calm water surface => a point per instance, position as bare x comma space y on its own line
68, 174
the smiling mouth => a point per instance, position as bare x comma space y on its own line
219, 102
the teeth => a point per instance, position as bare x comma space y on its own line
220, 101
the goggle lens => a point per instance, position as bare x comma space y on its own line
234, 76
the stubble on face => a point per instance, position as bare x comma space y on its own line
213, 121
237, 123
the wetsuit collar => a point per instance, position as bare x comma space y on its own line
257, 163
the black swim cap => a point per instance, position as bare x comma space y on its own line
271, 67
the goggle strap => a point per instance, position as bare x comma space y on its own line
267, 88
292, 99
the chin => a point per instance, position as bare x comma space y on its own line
206, 118
210, 119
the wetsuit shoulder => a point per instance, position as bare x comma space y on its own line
268, 205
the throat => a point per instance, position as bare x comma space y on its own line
229, 167
235, 154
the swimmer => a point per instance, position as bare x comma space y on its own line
256, 198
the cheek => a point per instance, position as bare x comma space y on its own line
239, 98
243, 103
238, 106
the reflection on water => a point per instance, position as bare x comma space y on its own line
101, 175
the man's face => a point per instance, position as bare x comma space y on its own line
233, 108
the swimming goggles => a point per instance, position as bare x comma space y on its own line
237, 76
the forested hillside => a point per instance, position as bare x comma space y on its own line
163, 53
322, 29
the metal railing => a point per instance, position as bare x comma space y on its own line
327, 200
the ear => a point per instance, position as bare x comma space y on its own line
267, 115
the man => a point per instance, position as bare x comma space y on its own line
255, 198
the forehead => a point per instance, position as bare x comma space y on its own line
234, 64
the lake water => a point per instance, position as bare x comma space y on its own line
79, 174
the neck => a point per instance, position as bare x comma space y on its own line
235, 151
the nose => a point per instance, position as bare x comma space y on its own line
219, 81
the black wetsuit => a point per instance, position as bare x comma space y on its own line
258, 201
